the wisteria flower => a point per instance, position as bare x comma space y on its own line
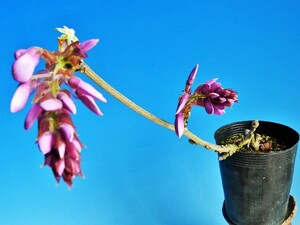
210, 95
52, 104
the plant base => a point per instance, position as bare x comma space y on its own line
291, 212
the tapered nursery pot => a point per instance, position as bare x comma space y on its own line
257, 185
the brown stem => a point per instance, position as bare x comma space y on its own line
84, 68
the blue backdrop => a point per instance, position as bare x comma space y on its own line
135, 171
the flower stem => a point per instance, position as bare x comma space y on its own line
84, 68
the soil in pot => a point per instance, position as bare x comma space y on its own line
267, 144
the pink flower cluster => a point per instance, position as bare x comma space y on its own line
209, 95
52, 104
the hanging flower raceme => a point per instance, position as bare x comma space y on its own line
209, 95
52, 104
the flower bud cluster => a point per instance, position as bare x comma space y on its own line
210, 95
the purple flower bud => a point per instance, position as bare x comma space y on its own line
85, 88
213, 95
229, 102
67, 102
179, 124
211, 82
209, 95
59, 167
208, 106
20, 97
88, 45
45, 142
72, 152
19, 53
221, 100
72, 166
203, 89
216, 86
32, 115
182, 101
90, 103
26, 61
192, 75
208, 86
61, 150
213, 108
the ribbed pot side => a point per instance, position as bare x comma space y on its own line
257, 185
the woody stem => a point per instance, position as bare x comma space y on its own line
84, 68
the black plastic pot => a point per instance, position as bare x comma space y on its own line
257, 185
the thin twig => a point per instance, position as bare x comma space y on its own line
84, 68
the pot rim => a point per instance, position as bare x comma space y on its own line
261, 130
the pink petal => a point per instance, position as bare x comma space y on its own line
24, 66
219, 109
68, 131
88, 45
51, 105
219, 90
229, 102
205, 88
208, 106
211, 82
215, 86
59, 167
67, 102
77, 168
192, 75
85, 88
219, 106
213, 95
19, 53
32, 115
20, 97
222, 100
90, 103
179, 124
77, 145
182, 101
45, 142
61, 150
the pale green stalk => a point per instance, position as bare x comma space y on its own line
228, 149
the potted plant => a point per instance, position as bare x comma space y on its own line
257, 179
56, 84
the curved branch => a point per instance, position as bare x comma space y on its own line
84, 68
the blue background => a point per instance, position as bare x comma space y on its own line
137, 172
